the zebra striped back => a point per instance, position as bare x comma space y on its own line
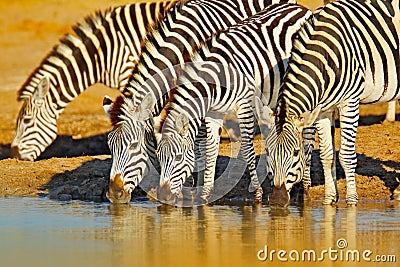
104, 48
246, 60
182, 30
347, 55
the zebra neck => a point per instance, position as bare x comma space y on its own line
182, 31
287, 108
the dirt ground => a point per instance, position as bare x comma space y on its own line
77, 165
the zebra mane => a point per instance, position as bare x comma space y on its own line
119, 110
299, 46
167, 108
153, 31
81, 30
303, 36
281, 113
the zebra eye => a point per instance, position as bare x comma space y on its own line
27, 119
296, 152
134, 145
178, 157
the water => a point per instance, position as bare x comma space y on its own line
41, 232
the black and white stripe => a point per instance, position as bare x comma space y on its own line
245, 61
182, 30
347, 55
104, 48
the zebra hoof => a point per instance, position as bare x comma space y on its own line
352, 200
351, 203
206, 193
330, 200
306, 195
204, 199
258, 196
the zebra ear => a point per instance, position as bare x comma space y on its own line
107, 105
41, 91
148, 102
264, 113
182, 124
308, 118
146, 107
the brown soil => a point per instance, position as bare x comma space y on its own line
77, 165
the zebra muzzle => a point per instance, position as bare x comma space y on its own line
164, 194
116, 192
279, 198
15, 153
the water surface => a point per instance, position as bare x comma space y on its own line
41, 232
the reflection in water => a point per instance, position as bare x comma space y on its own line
39, 232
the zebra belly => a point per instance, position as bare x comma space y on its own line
379, 92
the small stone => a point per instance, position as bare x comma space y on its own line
54, 193
77, 137
65, 197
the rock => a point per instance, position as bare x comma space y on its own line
65, 197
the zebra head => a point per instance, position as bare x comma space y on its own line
175, 151
286, 159
285, 162
131, 143
37, 121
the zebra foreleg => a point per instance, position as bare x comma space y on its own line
309, 144
200, 153
327, 154
246, 121
349, 115
212, 146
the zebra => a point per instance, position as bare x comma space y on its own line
104, 48
181, 31
347, 54
247, 61
391, 109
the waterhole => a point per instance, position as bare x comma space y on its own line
43, 232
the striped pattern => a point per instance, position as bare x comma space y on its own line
246, 60
346, 56
183, 29
104, 48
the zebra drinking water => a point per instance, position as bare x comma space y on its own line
182, 30
236, 65
104, 49
346, 55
